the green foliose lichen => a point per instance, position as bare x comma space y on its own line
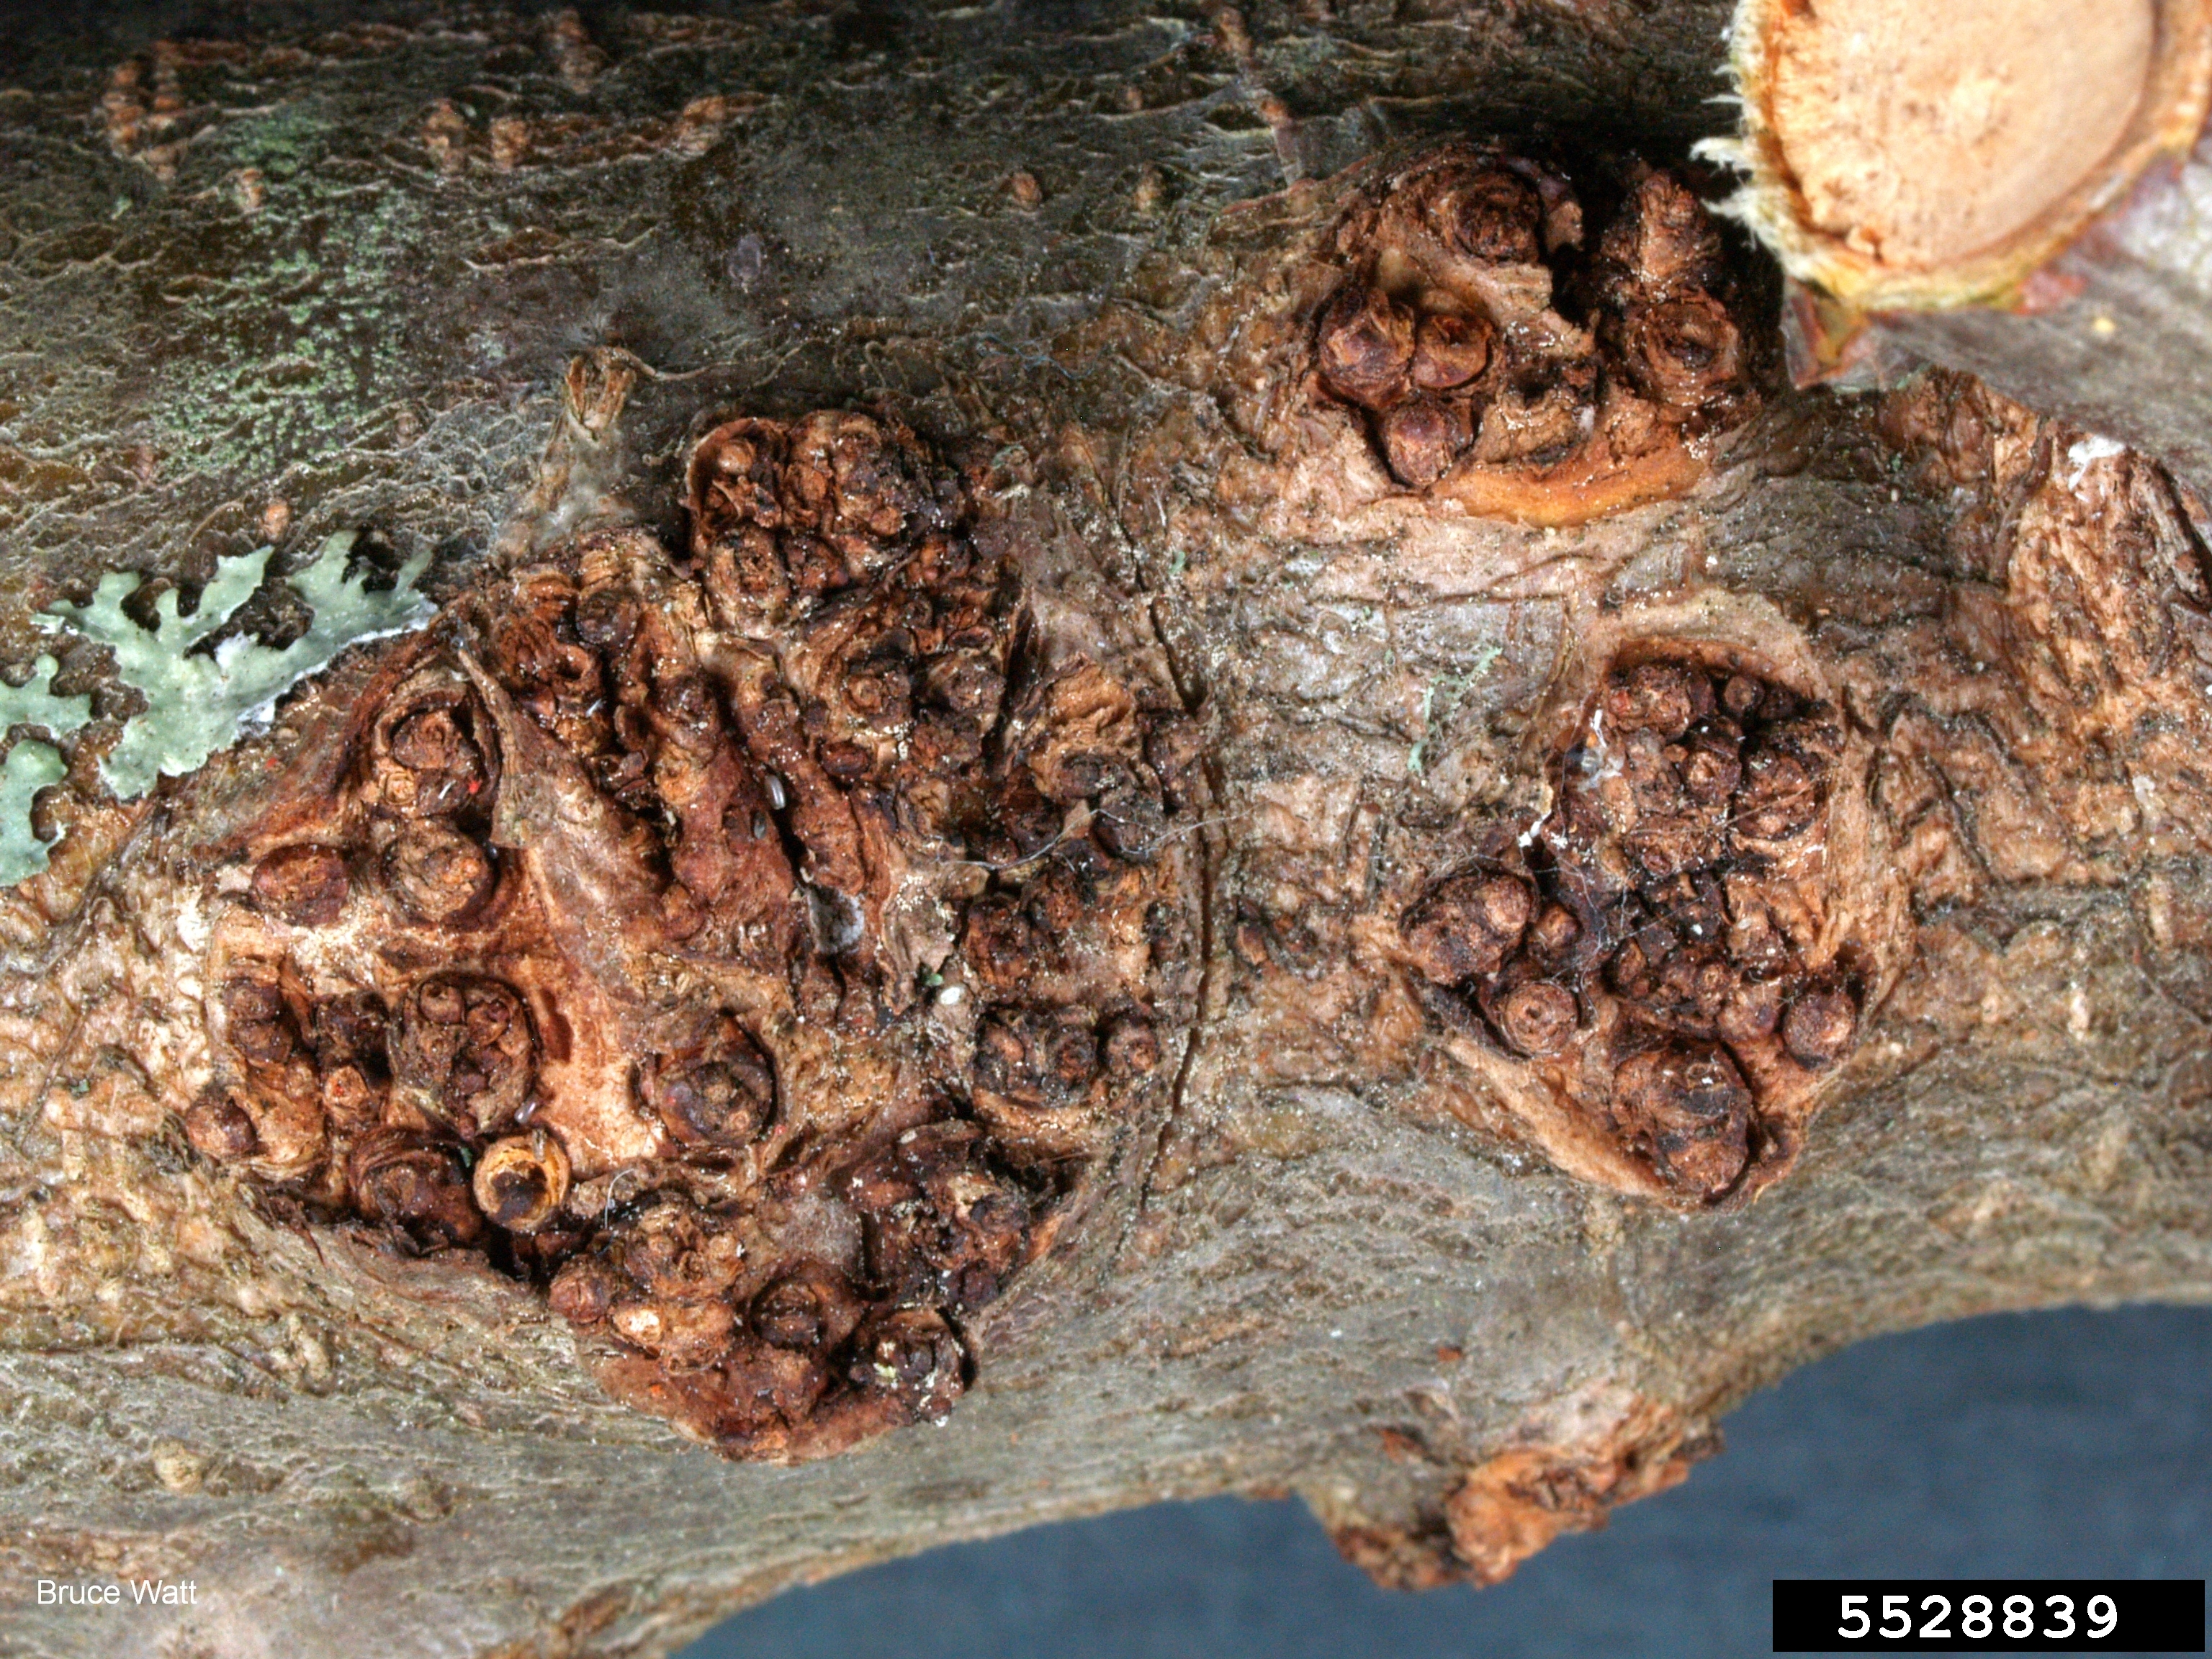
197, 701
32, 765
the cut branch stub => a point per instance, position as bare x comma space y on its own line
1900, 154
754, 956
1660, 973
1502, 352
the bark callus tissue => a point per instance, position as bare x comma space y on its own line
1661, 969
1503, 349
753, 951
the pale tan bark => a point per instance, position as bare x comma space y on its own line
2010, 191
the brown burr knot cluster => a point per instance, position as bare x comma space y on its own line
1655, 971
752, 951
1499, 348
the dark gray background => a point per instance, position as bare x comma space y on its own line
2072, 1444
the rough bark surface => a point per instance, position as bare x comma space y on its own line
478, 281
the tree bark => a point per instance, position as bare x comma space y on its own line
473, 284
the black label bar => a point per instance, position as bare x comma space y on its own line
1988, 1615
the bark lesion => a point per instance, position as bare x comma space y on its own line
757, 953
1506, 351
2049, 711
1662, 970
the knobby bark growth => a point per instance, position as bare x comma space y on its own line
1159, 759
